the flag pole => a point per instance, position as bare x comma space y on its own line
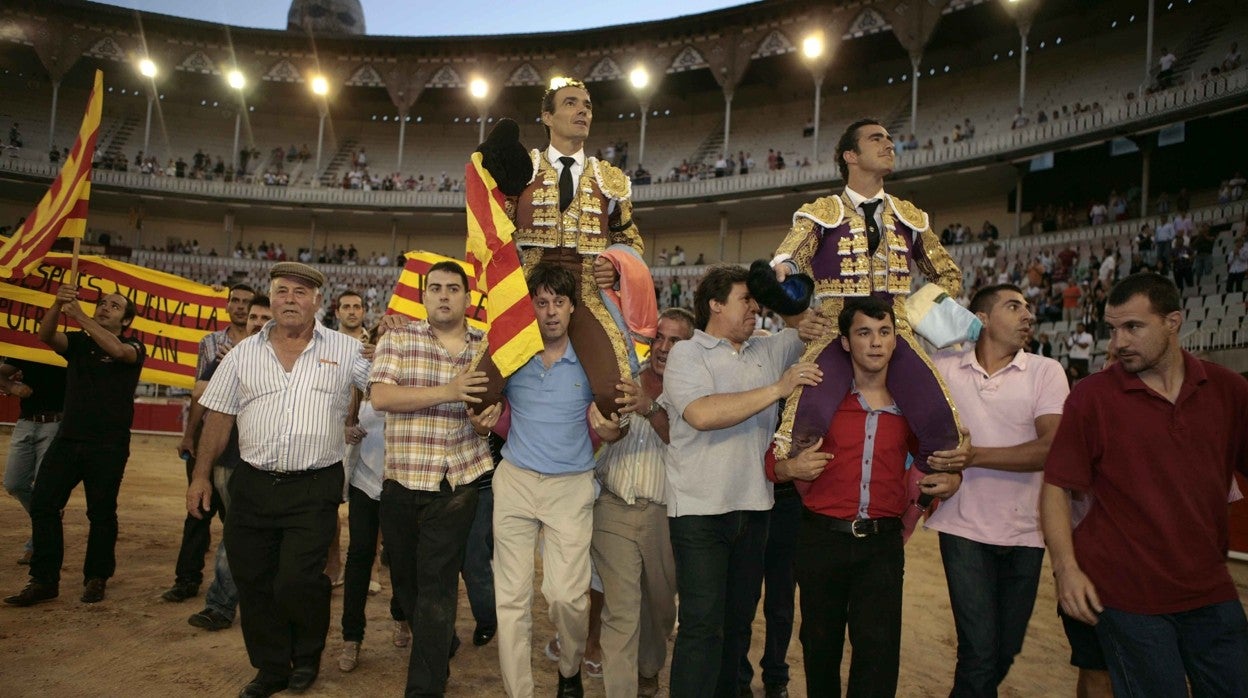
73, 264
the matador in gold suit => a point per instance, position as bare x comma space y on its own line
597, 218
829, 242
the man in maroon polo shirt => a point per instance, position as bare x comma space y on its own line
1154, 440
853, 488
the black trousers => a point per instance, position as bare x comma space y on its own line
426, 534
277, 540
196, 538
99, 466
363, 523
854, 582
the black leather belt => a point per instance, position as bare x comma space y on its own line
858, 528
45, 417
280, 477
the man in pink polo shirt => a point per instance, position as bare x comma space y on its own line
990, 541
1155, 440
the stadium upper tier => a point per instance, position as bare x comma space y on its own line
770, 109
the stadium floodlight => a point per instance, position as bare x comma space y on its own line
320, 86
478, 88
639, 78
236, 79
812, 45
147, 68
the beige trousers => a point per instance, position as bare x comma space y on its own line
560, 508
633, 553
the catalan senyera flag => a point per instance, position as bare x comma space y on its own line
63, 210
513, 335
409, 293
171, 313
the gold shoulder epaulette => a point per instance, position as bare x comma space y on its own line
914, 217
611, 180
537, 164
827, 211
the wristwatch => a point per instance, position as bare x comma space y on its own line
654, 407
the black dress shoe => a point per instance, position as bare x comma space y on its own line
180, 591
210, 619
35, 592
775, 690
570, 687
303, 676
482, 635
262, 687
93, 590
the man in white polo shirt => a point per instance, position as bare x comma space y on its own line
722, 387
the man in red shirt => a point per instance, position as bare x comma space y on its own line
850, 569
1155, 440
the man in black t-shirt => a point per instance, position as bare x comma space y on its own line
93, 444
42, 390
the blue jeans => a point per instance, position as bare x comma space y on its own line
1156, 655
779, 578
992, 590
477, 572
222, 596
719, 567
29, 442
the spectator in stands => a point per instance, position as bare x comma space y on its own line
1079, 350
1020, 119
1233, 58
968, 129
1164, 239
721, 166
957, 133
1165, 68
1224, 192
1098, 214
1237, 184
1144, 244
1236, 265
1202, 252
15, 136
678, 257
1181, 262
1163, 203
1070, 301
1108, 271
1042, 117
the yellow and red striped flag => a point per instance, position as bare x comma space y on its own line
513, 336
63, 210
408, 298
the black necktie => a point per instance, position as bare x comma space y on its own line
565, 183
873, 230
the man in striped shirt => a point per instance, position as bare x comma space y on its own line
631, 545
289, 389
421, 380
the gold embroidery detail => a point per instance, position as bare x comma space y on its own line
611, 179
592, 300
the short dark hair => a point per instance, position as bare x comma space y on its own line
346, 293
849, 141
871, 306
553, 278
548, 97
986, 297
127, 315
259, 299
451, 268
716, 285
1162, 294
242, 287
679, 315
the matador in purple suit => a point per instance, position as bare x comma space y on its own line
861, 243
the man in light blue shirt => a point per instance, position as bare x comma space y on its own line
545, 484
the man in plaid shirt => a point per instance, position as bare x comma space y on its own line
420, 379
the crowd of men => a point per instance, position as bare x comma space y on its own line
657, 478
